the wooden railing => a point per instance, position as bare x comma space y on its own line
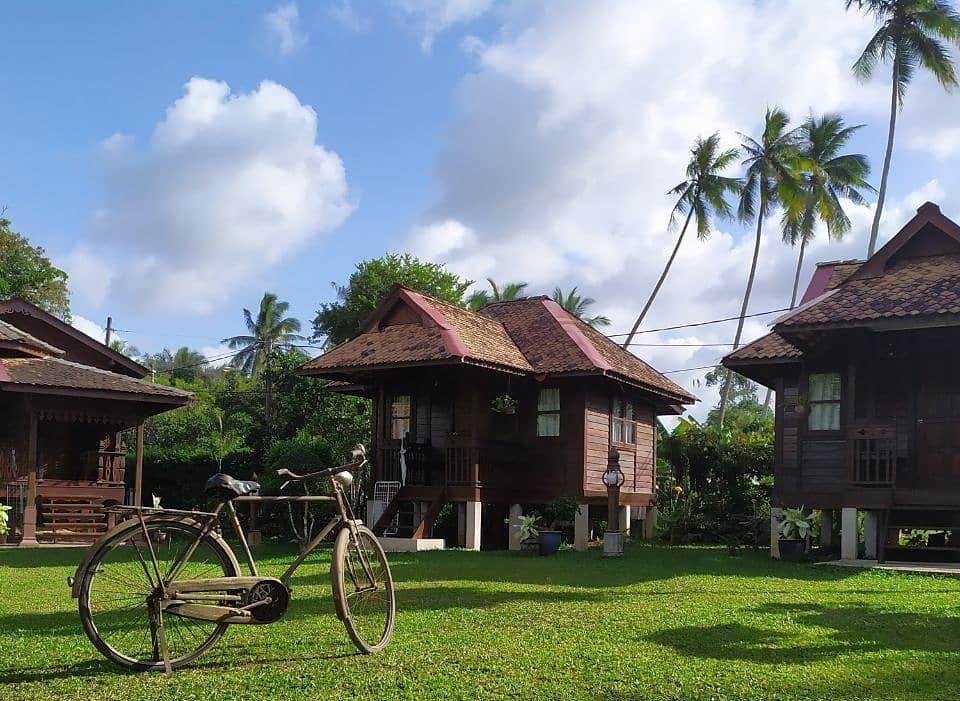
417, 458
873, 451
105, 466
461, 460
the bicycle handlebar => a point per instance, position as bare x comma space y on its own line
359, 453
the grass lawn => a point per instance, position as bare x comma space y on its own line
683, 623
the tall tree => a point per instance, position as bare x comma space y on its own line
827, 177
498, 293
372, 280
578, 305
25, 271
913, 34
702, 194
270, 331
770, 180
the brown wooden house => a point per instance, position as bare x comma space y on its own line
868, 391
64, 400
440, 375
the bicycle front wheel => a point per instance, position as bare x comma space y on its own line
119, 596
363, 589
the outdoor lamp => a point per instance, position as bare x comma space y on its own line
613, 478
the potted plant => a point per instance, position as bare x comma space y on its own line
529, 533
504, 404
557, 512
794, 529
4, 522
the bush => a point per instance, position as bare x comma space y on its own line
179, 477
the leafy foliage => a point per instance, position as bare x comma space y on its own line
507, 292
269, 331
26, 272
372, 280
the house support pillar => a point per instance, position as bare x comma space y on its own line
516, 511
776, 514
581, 527
473, 525
871, 528
848, 533
650, 522
30, 507
826, 528
625, 513
138, 475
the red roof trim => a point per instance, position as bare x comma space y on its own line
4, 375
569, 326
451, 339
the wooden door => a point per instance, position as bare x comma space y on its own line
937, 387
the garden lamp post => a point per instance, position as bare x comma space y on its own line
613, 478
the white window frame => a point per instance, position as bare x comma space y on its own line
548, 412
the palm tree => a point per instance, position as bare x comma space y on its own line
506, 293
913, 34
827, 177
770, 179
270, 331
577, 305
703, 193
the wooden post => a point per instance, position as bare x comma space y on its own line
30, 507
138, 474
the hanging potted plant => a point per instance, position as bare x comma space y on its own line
794, 528
504, 404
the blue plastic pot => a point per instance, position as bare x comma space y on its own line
550, 542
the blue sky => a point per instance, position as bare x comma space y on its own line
178, 159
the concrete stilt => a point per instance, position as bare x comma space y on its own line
848, 534
516, 511
650, 522
775, 515
871, 527
474, 523
581, 527
624, 525
826, 528
461, 524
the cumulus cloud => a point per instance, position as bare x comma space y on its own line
228, 183
435, 16
282, 25
580, 116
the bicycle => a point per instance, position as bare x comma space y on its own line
161, 587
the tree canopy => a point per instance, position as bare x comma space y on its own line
26, 271
372, 280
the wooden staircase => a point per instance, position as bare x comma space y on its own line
70, 520
435, 496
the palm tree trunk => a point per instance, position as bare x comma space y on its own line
663, 276
793, 303
881, 196
725, 394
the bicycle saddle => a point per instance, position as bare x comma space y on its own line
222, 486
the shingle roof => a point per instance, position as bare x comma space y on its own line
52, 372
533, 336
773, 346
11, 336
910, 287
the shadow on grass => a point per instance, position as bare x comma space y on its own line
852, 629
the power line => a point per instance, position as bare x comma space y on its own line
701, 323
680, 345
702, 367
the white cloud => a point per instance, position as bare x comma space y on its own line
346, 13
229, 183
91, 328
435, 16
580, 117
282, 25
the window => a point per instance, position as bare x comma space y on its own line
624, 424
400, 413
548, 412
824, 402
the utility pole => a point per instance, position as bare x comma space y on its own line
109, 333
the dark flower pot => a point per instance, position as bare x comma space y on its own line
550, 542
791, 550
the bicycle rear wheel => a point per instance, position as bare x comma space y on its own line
119, 598
363, 589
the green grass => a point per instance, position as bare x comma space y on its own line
684, 623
